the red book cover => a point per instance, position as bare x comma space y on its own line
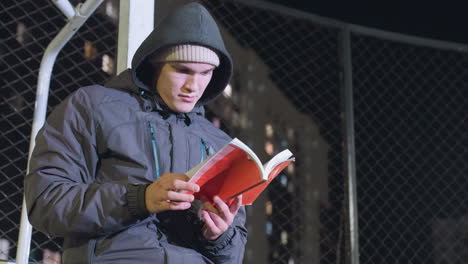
234, 170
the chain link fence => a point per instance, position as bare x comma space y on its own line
410, 107
27, 27
299, 61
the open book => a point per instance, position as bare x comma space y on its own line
235, 169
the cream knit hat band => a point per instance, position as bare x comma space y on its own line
187, 53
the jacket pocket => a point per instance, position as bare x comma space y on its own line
125, 158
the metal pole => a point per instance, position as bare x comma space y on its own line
66, 8
82, 12
349, 149
136, 20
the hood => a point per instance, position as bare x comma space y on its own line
193, 24
124, 82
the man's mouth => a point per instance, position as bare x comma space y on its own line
187, 99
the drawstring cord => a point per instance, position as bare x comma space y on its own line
165, 115
155, 150
154, 145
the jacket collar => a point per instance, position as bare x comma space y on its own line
170, 115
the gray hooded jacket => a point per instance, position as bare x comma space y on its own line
103, 145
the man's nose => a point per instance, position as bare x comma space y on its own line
191, 84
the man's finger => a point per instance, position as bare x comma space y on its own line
218, 221
168, 205
209, 222
178, 205
234, 207
222, 207
185, 186
179, 197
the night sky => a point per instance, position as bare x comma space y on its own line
444, 20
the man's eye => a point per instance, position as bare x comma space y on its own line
184, 71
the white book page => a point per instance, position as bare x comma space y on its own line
202, 167
277, 159
195, 169
236, 142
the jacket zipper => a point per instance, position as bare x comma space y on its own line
155, 149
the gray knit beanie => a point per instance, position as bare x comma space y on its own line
186, 53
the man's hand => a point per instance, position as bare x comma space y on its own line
218, 219
163, 194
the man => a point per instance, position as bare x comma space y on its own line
109, 163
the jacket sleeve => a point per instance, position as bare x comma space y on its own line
62, 196
229, 247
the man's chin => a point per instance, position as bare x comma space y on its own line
183, 109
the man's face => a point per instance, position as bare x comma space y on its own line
181, 84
